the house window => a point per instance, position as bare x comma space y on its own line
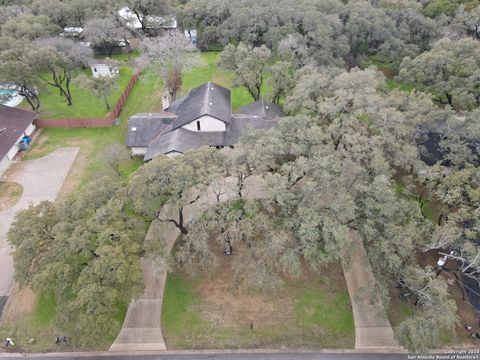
198, 125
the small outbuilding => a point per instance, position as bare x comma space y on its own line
16, 126
101, 69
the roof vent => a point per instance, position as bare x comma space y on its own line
210, 104
212, 88
2, 130
134, 129
266, 107
150, 114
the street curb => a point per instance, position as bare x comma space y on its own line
378, 350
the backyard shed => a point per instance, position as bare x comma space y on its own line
100, 69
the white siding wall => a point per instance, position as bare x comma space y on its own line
137, 151
30, 129
173, 153
4, 164
100, 70
15, 148
207, 123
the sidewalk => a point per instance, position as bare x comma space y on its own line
372, 328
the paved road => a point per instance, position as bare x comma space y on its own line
218, 356
41, 179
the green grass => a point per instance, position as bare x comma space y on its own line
319, 319
178, 315
209, 71
85, 104
392, 84
399, 312
144, 97
331, 312
45, 309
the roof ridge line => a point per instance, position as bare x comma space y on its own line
207, 99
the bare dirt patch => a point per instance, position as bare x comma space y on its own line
230, 305
213, 311
10, 193
21, 302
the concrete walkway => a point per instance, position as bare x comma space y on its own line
372, 328
142, 331
42, 180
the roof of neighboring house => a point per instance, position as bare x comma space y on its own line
182, 140
163, 133
207, 99
262, 108
13, 123
147, 126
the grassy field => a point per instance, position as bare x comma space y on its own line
91, 141
85, 104
208, 312
210, 72
10, 193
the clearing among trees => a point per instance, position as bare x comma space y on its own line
310, 311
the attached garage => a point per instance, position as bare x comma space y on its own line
15, 124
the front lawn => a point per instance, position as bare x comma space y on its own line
211, 312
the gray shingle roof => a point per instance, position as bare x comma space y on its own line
207, 99
147, 127
263, 108
162, 133
13, 123
182, 140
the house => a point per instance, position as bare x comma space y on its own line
191, 35
101, 68
153, 22
203, 117
72, 31
15, 124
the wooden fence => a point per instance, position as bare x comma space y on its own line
92, 122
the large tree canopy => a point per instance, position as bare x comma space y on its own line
85, 250
451, 71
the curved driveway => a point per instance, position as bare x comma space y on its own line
42, 180
142, 327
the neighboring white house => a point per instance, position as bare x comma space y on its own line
14, 125
71, 31
100, 69
153, 22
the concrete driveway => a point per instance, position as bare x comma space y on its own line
42, 180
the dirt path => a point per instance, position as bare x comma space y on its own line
141, 329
